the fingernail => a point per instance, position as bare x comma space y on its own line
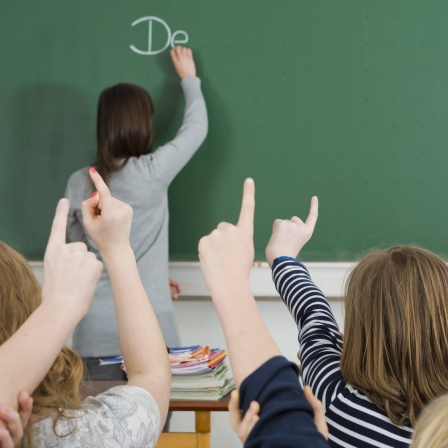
94, 193
92, 170
5, 409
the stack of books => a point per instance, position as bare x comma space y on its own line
198, 373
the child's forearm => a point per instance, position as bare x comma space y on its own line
141, 340
248, 341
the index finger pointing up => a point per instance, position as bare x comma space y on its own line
100, 185
59, 226
246, 219
312, 217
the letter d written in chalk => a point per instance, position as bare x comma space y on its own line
178, 37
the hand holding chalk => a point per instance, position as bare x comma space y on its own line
183, 62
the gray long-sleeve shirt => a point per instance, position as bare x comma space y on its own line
143, 183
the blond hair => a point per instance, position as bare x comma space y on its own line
396, 330
431, 430
20, 295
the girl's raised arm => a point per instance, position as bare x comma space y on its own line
71, 276
108, 222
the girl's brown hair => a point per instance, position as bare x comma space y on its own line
123, 128
20, 296
396, 330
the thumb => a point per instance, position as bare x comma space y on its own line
25, 407
246, 219
234, 410
90, 206
319, 415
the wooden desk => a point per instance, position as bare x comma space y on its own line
198, 439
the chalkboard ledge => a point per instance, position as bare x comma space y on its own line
329, 276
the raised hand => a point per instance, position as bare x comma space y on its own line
290, 235
108, 222
71, 273
14, 421
106, 219
183, 62
174, 289
319, 415
226, 255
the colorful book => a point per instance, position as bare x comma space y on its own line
198, 373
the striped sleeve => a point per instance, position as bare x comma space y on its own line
319, 337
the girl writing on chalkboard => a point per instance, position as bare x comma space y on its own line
394, 356
140, 177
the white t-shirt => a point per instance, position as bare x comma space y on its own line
122, 417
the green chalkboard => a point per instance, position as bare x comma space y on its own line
344, 99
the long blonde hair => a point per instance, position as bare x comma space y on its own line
20, 295
431, 430
396, 330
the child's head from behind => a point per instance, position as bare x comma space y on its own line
20, 296
396, 330
431, 430
124, 126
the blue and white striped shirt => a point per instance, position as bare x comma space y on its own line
353, 420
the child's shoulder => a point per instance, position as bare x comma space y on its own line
78, 177
351, 412
353, 402
352, 395
78, 186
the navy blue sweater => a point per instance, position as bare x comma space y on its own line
286, 418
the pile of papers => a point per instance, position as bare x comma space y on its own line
198, 373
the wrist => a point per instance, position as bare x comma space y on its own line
60, 310
117, 255
230, 292
282, 258
238, 299
183, 77
120, 261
